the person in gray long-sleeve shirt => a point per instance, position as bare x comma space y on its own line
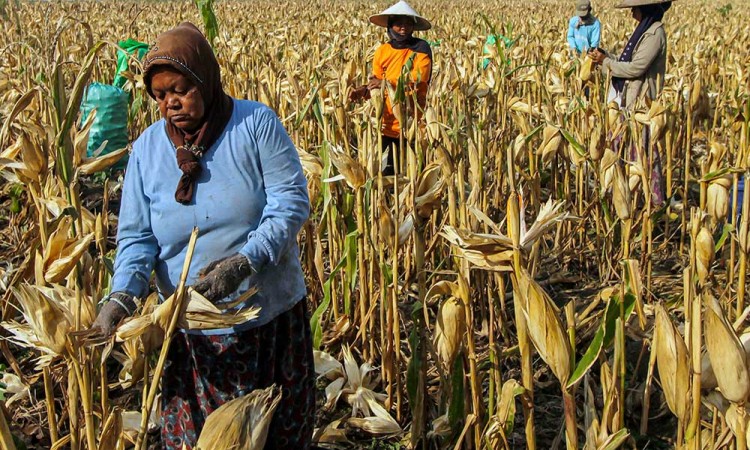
639, 71
640, 68
228, 167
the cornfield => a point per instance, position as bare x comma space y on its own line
512, 287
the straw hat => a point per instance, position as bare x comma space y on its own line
633, 3
583, 7
401, 9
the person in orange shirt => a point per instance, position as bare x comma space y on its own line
402, 54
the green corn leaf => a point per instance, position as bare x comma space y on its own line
315, 325
210, 24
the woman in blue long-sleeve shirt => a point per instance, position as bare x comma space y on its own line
584, 29
228, 167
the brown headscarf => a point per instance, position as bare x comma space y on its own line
186, 50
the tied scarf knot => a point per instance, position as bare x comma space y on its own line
188, 160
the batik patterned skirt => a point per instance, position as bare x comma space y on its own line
204, 372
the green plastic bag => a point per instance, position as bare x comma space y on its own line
132, 47
491, 44
111, 121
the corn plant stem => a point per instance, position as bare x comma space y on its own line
419, 254
78, 378
87, 389
524, 341
732, 243
104, 389
646, 225
141, 441
333, 256
476, 391
6, 438
73, 397
620, 359
741, 434
743, 250
686, 179
395, 328
493, 359
371, 295
49, 398
692, 433
361, 232
382, 305
670, 164
569, 402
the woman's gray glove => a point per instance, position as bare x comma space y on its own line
222, 277
117, 306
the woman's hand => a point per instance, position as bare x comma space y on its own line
597, 56
222, 277
358, 94
374, 83
118, 306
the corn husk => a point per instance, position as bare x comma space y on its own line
381, 423
717, 201
199, 314
450, 326
621, 194
377, 102
704, 252
545, 329
595, 148
429, 189
673, 363
242, 423
348, 167
708, 378
586, 69
726, 353
433, 127
551, 143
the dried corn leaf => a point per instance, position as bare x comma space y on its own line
67, 259
93, 165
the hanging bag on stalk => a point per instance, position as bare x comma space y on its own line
131, 47
111, 121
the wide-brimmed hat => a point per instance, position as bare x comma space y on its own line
583, 8
401, 9
634, 3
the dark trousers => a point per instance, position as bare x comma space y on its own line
390, 145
